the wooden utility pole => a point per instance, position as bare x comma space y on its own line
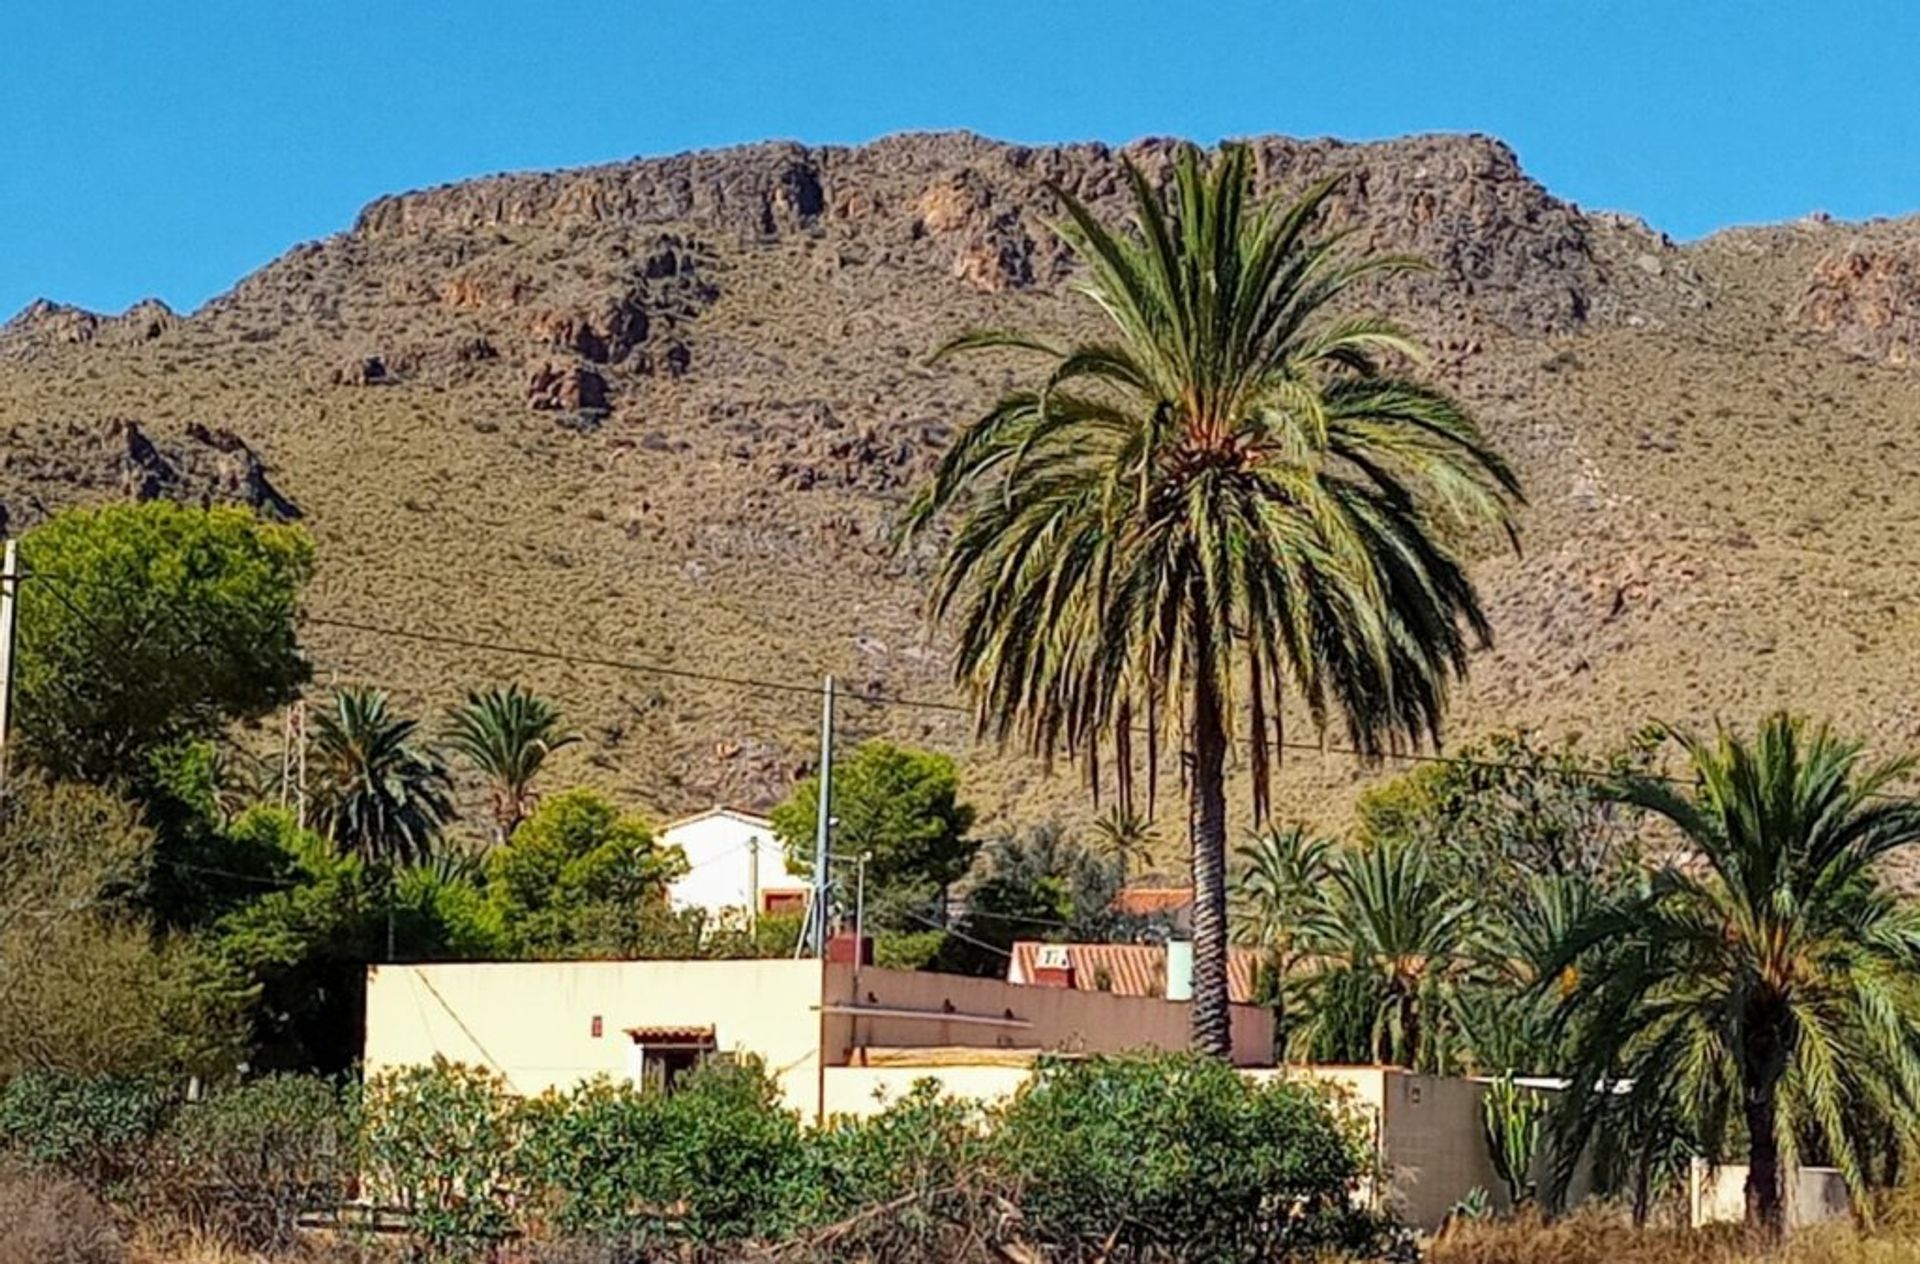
9, 600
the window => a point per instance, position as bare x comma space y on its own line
663, 1057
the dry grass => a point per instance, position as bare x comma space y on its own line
47, 1219
1722, 501
1606, 1237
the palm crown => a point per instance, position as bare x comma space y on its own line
379, 795
1230, 501
506, 735
1765, 975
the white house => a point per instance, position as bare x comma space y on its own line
734, 862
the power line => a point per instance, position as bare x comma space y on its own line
877, 699
623, 664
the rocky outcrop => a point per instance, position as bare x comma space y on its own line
1501, 247
566, 388
43, 323
1867, 297
122, 459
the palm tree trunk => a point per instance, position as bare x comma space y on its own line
1766, 1210
1212, 1018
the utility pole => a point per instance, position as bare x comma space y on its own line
860, 909
753, 884
9, 598
823, 826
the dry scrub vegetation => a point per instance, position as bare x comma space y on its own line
1717, 439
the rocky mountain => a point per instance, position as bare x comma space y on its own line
666, 412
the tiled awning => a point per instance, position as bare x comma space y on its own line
662, 1037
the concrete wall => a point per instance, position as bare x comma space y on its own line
1022, 1017
533, 1022
1719, 1195
862, 1091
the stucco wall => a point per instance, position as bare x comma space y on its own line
533, 1022
721, 850
863, 1091
1719, 1195
1030, 1017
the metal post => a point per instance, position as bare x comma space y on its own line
9, 597
753, 884
824, 824
860, 907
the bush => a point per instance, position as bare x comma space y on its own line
905, 1183
47, 1218
98, 1131
245, 1164
1179, 1155
717, 1161
441, 1143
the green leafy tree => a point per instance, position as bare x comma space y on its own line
577, 879
1128, 836
1278, 906
1511, 807
1764, 977
899, 807
318, 918
1233, 506
1038, 884
144, 625
376, 793
506, 735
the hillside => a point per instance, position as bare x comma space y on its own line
666, 411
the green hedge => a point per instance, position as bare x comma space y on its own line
1149, 1157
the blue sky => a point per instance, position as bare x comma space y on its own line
170, 148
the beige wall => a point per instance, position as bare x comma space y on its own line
1719, 1195
1055, 1019
862, 1091
533, 1022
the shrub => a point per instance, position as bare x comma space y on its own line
719, 1160
904, 1183
246, 1163
1178, 1155
48, 1218
95, 1130
441, 1142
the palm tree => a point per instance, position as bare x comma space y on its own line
506, 735
1764, 975
1233, 504
1389, 919
1277, 898
376, 794
1127, 836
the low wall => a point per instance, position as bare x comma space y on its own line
859, 1091
1719, 1195
907, 1007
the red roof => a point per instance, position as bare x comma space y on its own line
1130, 969
1146, 901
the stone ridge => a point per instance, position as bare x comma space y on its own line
1500, 243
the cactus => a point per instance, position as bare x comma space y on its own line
1513, 1116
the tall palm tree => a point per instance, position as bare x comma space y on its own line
1233, 505
506, 735
376, 794
1765, 975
